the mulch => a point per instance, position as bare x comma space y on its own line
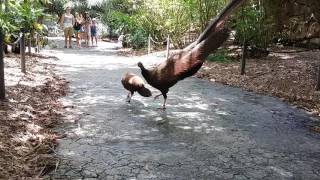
287, 73
32, 110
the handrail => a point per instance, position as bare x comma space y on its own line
17, 41
168, 44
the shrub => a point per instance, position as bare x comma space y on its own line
138, 39
251, 23
220, 56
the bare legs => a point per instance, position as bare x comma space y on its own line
87, 39
95, 37
68, 35
65, 41
66, 38
78, 39
70, 41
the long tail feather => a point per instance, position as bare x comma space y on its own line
216, 22
220, 18
212, 43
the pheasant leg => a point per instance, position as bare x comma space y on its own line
163, 107
164, 103
129, 97
156, 97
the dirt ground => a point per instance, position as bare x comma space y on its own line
32, 109
287, 73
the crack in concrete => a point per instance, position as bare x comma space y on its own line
209, 131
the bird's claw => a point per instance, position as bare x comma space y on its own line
162, 108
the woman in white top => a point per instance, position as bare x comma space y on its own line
67, 22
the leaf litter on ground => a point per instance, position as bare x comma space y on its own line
287, 73
32, 110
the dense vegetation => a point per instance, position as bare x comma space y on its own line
21, 15
257, 22
177, 18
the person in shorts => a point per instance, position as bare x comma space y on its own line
67, 22
77, 28
86, 28
93, 29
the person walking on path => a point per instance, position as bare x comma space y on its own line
77, 28
94, 31
67, 22
87, 28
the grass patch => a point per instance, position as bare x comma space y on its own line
221, 56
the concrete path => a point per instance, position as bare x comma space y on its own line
208, 131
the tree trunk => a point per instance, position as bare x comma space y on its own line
244, 48
23, 53
2, 83
29, 43
318, 83
243, 59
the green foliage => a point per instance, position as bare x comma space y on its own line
220, 56
163, 18
56, 7
176, 18
252, 24
21, 14
160, 18
117, 15
138, 39
28, 13
7, 18
122, 17
202, 11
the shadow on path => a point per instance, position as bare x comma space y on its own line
209, 131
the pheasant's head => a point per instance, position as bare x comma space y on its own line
140, 65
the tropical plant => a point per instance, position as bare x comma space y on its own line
252, 24
160, 18
7, 18
137, 39
28, 13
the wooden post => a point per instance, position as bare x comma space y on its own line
149, 44
29, 43
39, 45
243, 59
23, 53
318, 83
244, 48
2, 82
168, 47
36, 43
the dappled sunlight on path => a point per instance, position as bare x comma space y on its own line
208, 131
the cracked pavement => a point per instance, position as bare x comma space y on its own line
209, 131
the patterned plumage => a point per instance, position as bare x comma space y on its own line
134, 83
188, 61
